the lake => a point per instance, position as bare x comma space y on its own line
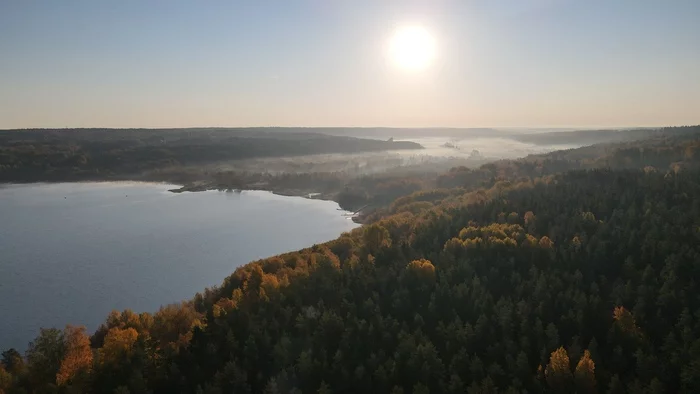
72, 252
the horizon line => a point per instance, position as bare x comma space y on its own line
572, 128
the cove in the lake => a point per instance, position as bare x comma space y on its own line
72, 252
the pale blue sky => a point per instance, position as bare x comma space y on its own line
170, 63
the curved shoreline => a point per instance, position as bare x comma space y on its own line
304, 193
200, 186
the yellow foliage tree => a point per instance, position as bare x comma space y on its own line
173, 324
513, 217
546, 243
469, 232
529, 241
118, 346
77, 361
585, 374
422, 269
558, 371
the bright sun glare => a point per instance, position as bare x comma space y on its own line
412, 48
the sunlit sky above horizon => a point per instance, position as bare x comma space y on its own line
495, 63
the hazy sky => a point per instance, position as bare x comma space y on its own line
169, 63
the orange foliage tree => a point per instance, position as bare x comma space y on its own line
77, 361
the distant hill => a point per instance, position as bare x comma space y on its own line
398, 132
71, 154
589, 137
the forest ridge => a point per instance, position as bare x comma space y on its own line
101, 154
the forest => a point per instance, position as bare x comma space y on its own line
100, 154
676, 147
570, 272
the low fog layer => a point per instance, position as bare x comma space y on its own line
482, 147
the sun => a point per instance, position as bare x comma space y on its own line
412, 48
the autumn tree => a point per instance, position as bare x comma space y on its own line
77, 361
513, 218
546, 243
172, 324
624, 321
585, 374
421, 271
118, 346
558, 372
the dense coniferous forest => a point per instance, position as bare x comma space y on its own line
575, 271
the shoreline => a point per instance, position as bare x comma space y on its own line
305, 193
201, 186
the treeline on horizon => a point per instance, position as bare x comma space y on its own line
575, 271
30, 155
99, 154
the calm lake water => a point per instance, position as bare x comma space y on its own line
72, 252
